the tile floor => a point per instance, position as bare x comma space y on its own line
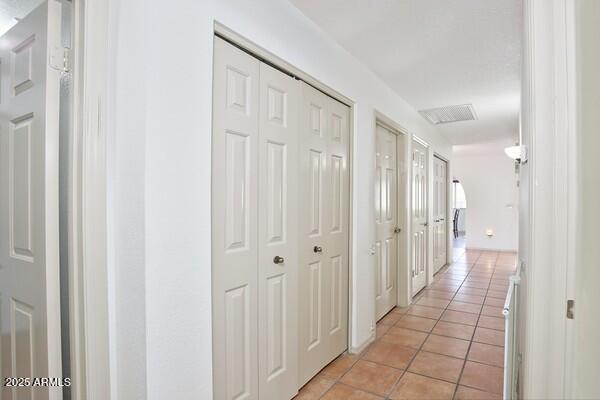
447, 345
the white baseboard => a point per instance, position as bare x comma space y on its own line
359, 349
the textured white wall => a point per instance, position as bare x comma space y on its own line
489, 180
162, 85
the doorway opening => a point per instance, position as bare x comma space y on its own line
459, 212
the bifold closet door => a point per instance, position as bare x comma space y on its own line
439, 213
386, 220
323, 243
254, 228
278, 235
419, 216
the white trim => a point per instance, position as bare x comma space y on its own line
550, 113
89, 283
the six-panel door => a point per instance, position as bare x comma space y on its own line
419, 216
386, 220
323, 226
29, 233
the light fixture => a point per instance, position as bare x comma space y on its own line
517, 153
489, 233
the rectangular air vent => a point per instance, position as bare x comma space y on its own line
444, 115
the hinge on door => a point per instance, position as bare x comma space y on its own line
570, 307
60, 59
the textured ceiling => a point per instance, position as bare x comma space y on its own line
437, 53
11, 9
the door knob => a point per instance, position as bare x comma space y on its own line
425, 224
318, 249
397, 230
278, 260
436, 220
442, 219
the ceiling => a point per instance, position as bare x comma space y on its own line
12, 9
436, 53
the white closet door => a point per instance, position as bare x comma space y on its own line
323, 252
419, 217
386, 220
439, 214
29, 234
235, 223
278, 235
444, 213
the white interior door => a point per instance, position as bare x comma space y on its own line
386, 221
29, 233
324, 207
278, 235
235, 223
419, 216
439, 213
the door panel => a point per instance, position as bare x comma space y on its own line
29, 234
439, 214
323, 253
235, 223
386, 208
420, 212
278, 234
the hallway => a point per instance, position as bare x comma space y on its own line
447, 345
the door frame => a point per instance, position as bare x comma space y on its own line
403, 281
88, 251
447, 205
276, 62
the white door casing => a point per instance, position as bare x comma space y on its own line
29, 232
419, 216
440, 223
235, 223
386, 220
324, 231
278, 234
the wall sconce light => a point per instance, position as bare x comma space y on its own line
489, 233
517, 153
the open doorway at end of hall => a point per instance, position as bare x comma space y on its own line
459, 212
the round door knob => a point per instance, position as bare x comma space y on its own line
397, 230
278, 260
318, 249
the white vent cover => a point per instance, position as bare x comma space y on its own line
444, 115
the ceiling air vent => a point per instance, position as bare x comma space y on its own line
444, 115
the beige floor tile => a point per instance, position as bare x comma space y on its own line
339, 366
491, 322
486, 354
372, 377
433, 302
459, 331
436, 366
315, 388
467, 298
390, 354
446, 345
488, 336
465, 307
344, 392
493, 301
381, 330
484, 377
426, 312
459, 317
467, 393
416, 323
417, 387
491, 311
405, 337
390, 318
